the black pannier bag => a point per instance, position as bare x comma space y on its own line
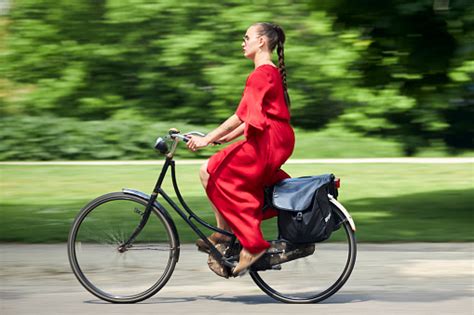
305, 212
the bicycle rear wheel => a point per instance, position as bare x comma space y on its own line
121, 276
315, 277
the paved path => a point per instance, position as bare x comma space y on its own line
403, 160
421, 278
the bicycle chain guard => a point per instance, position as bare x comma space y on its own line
279, 252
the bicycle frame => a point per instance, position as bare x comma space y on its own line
187, 215
280, 252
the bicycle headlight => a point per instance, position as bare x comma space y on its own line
161, 145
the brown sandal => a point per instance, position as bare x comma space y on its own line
246, 260
214, 238
216, 266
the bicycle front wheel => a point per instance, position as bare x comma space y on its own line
315, 277
107, 270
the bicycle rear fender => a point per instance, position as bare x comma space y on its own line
343, 210
163, 211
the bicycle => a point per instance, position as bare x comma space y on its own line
123, 246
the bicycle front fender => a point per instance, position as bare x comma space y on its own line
343, 210
160, 208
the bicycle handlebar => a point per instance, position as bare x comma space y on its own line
173, 133
182, 137
176, 133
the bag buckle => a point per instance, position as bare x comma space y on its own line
299, 216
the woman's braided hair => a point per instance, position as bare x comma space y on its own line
276, 38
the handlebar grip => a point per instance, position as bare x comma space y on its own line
182, 137
185, 139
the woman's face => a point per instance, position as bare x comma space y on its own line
252, 42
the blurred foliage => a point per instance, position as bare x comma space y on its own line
53, 138
421, 60
398, 69
65, 138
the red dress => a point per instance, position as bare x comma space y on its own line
239, 173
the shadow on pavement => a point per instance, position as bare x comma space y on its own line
156, 300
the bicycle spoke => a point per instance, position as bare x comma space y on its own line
105, 269
314, 277
150, 247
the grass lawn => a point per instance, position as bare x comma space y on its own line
389, 202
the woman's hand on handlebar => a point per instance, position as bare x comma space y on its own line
196, 142
220, 141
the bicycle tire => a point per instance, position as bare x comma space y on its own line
272, 285
97, 263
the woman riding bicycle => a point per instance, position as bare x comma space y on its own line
235, 177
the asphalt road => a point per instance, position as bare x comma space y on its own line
416, 278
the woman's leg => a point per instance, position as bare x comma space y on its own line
204, 175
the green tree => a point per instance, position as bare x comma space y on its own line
422, 51
122, 59
366, 62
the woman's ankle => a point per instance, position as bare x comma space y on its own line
216, 236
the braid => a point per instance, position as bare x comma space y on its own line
282, 69
276, 38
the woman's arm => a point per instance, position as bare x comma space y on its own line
196, 142
237, 132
